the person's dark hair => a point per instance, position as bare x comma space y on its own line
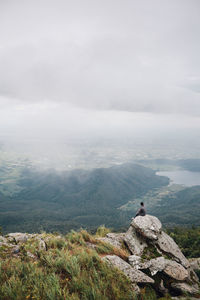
142, 203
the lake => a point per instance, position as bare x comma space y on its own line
182, 177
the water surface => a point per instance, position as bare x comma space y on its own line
182, 177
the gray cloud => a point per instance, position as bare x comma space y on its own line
139, 56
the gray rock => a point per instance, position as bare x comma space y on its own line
135, 244
169, 267
162, 289
193, 278
29, 254
167, 245
148, 226
194, 263
18, 237
115, 239
134, 275
6, 245
154, 265
3, 239
42, 244
134, 261
183, 287
175, 270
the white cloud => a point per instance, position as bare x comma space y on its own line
89, 67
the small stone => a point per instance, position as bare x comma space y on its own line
42, 245
29, 254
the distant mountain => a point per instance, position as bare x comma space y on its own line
70, 200
192, 164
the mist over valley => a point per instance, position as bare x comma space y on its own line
95, 99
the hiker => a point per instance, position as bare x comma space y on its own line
141, 211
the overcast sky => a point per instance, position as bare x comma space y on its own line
75, 68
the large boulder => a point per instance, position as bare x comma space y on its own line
154, 265
175, 270
168, 246
134, 243
115, 239
160, 264
134, 275
148, 226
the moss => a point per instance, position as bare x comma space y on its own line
167, 256
150, 252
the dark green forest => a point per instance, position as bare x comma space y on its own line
53, 201
188, 240
182, 208
61, 201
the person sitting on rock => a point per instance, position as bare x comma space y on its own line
141, 211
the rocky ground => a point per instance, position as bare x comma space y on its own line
154, 258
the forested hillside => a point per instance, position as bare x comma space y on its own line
181, 208
68, 200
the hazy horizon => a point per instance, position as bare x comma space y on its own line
93, 71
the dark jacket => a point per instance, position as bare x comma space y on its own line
141, 211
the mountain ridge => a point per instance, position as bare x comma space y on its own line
76, 199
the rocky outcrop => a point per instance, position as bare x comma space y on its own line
160, 264
155, 253
155, 259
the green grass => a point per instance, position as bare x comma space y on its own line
69, 269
